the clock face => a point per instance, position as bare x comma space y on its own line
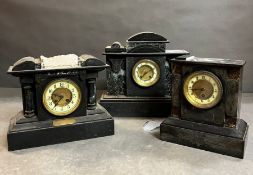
203, 89
61, 97
146, 73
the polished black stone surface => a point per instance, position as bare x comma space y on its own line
223, 140
30, 132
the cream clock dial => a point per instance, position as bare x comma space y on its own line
203, 89
146, 73
61, 97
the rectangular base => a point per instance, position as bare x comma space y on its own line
28, 133
227, 141
123, 106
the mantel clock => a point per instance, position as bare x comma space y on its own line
59, 101
138, 80
206, 94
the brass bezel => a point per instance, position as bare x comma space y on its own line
192, 101
64, 113
142, 83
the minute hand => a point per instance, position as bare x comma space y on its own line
145, 73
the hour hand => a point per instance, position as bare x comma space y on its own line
57, 95
145, 73
200, 89
61, 97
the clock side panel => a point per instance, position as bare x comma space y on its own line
116, 75
176, 90
41, 82
215, 115
156, 90
233, 83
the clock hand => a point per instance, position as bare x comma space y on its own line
145, 73
201, 89
61, 97
57, 95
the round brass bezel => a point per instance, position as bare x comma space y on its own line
191, 100
146, 62
62, 113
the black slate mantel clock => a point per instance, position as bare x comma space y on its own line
138, 80
59, 101
206, 97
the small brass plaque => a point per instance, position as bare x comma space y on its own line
65, 121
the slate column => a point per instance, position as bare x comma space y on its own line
92, 93
28, 97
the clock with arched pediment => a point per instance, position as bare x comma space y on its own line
138, 80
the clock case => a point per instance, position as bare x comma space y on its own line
123, 96
218, 129
35, 122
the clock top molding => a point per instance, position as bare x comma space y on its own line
71, 62
143, 44
210, 61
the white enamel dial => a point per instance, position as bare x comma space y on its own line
61, 97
